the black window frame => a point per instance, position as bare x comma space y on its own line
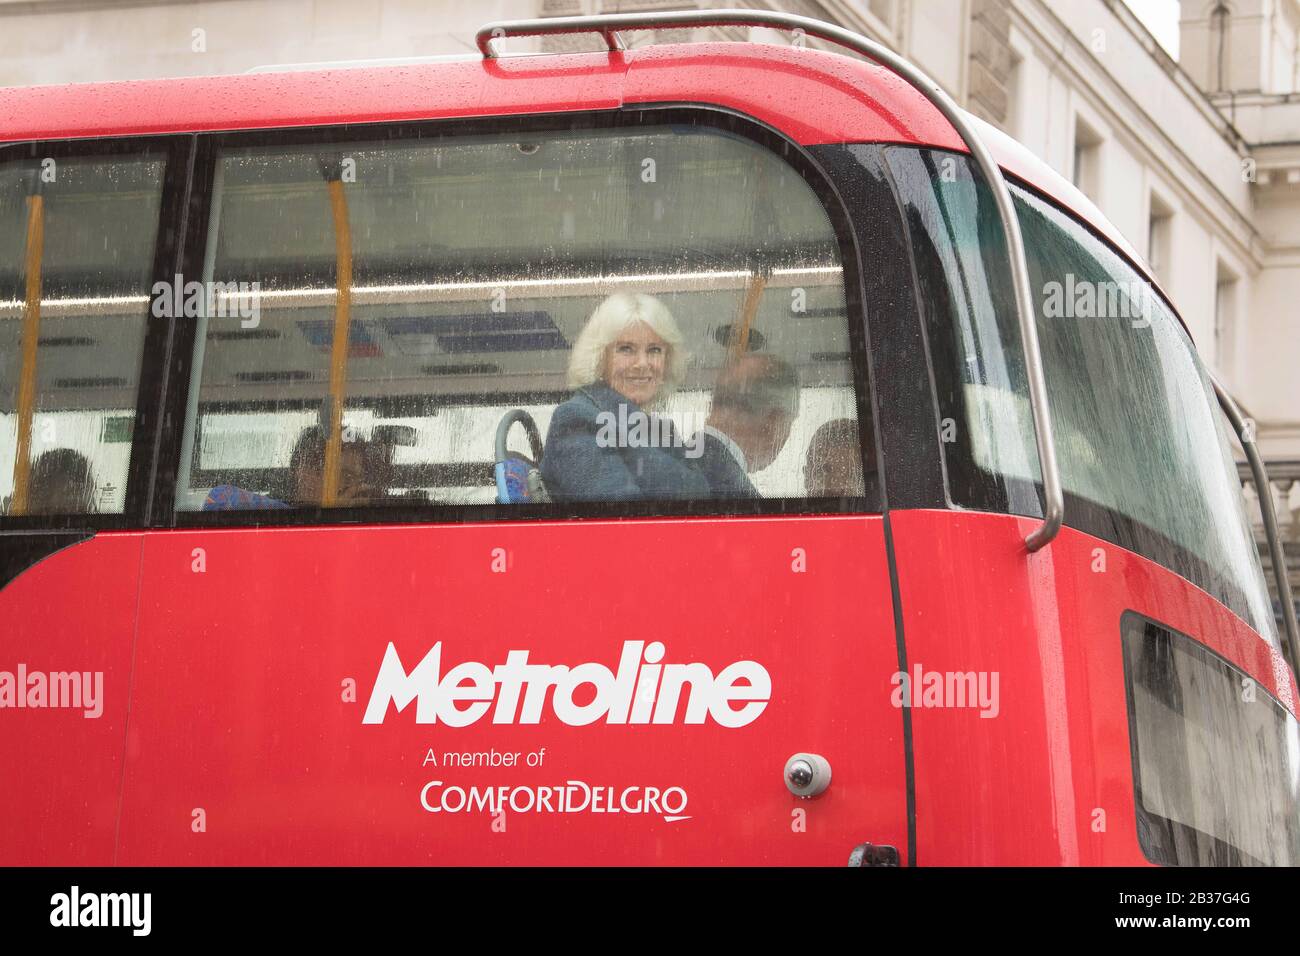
176, 151
163, 513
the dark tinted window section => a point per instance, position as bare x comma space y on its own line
910, 472
1216, 759
1141, 442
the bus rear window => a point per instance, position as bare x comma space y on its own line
492, 274
1142, 446
1216, 759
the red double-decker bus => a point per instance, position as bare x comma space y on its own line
702, 453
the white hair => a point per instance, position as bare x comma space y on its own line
608, 322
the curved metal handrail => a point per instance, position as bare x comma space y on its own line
1246, 437
609, 25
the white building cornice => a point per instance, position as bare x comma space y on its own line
1157, 141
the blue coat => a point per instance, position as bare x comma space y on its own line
725, 476
576, 467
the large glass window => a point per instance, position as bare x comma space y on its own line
77, 238
1216, 759
665, 304
1142, 446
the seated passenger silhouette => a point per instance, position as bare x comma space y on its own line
363, 472
834, 465
755, 402
61, 483
364, 469
604, 444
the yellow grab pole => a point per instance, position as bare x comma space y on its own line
748, 310
339, 351
758, 278
31, 337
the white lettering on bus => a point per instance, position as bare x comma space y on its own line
575, 796
467, 692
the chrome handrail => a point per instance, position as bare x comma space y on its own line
1245, 434
609, 26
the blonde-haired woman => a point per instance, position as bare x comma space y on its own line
603, 443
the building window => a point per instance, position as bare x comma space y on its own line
1014, 123
885, 11
1086, 171
1219, 16
1160, 235
1226, 288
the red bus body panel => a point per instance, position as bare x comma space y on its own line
812, 97
238, 703
1048, 781
238, 706
74, 611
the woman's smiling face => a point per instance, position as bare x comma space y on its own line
635, 363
